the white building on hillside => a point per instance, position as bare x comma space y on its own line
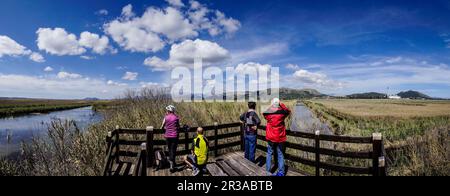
394, 97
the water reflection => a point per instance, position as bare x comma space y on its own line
14, 130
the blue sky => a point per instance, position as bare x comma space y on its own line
80, 48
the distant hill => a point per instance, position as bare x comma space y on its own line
413, 95
371, 95
91, 99
288, 93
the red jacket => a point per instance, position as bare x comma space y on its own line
276, 127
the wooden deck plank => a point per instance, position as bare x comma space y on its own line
226, 168
118, 169
254, 169
215, 170
126, 170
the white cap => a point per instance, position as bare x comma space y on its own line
276, 102
170, 108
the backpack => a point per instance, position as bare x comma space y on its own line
250, 121
161, 160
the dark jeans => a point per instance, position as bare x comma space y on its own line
250, 147
278, 149
172, 145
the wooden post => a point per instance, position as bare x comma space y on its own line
382, 165
242, 137
144, 159
186, 138
317, 146
149, 146
117, 144
377, 139
108, 142
216, 139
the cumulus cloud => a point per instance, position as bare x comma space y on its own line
158, 27
183, 54
36, 57
130, 36
58, 42
130, 76
9, 47
48, 69
175, 3
310, 78
67, 75
99, 45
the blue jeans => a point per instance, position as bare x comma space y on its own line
250, 147
278, 147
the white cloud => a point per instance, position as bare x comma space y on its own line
292, 66
36, 57
66, 75
214, 21
87, 57
169, 22
112, 83
160, 26
130, 76
130, 36
9, 47
376, 73
229, 25
127, 11
103, 12
52, 87
315, 79
58, 42
183, 54
175, 3
48, 69
259, 52
99, 45
149, 85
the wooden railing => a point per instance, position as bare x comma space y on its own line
377, 154
118, 143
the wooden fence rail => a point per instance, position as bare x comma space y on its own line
116, 140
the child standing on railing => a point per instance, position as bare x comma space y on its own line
199, 158
171, 124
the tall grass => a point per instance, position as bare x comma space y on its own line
416, 145
67, 151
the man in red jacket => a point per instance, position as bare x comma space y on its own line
276, 134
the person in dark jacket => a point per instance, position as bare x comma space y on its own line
251, 122
276, 134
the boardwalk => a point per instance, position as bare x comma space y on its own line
122, 159
231, 164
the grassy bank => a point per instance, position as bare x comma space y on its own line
17, 107
66, 151
416, 132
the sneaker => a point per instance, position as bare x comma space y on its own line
196, 172
279, 174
